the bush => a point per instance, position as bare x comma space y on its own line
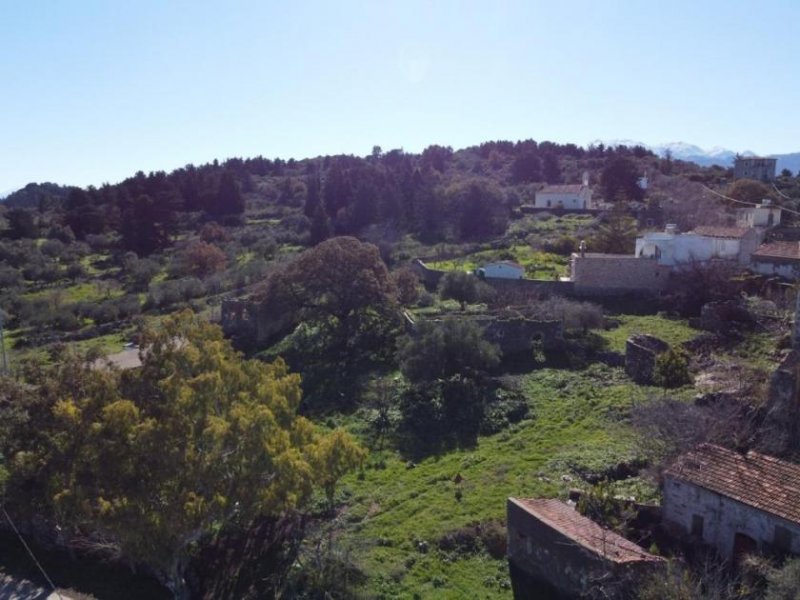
784, 583
564, 246
672, 369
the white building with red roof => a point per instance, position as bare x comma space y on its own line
737, 503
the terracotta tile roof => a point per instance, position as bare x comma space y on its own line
763, 482
778, 250
573, 188
569, 522
721, 232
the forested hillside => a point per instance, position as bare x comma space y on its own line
365, 444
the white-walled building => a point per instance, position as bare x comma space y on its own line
671, 248
571, 197
505, 269
736, 503
764, 215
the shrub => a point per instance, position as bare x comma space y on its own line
672, 369
784, 583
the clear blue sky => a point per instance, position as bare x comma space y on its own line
92, 91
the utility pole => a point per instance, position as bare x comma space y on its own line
4, 370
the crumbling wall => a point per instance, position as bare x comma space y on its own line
641, 352
519, 335
724, 316
780, 431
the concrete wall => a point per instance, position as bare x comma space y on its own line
722, 517
617, 272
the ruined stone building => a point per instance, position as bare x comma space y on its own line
736, 503
754, 167
555, 552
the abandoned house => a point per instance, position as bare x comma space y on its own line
736, 503
555, 552
754, 167
777, 258
763, 215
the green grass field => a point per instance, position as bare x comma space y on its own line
578, 424
672, 331
538, 265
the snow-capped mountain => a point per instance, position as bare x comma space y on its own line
715, 156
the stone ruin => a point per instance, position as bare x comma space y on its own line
724, 317
513, 335
641, 351
780, 431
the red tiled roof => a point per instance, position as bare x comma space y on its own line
721, 232
763, 482
779, 250
569, 522
573, 188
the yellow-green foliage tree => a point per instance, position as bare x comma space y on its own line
334, 456
152, 459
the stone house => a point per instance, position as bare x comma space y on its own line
505, 269
736, 503
754, 167
555, 552
570, 197
777, 258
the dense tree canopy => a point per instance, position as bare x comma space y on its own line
150, 459
442, 349
620, 180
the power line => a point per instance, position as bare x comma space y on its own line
30, 553
750, 204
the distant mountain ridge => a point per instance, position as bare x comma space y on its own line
706, 158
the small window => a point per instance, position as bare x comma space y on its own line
697, 526
783, 539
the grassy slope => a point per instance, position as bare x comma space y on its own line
579, 421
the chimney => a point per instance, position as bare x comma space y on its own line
671, 228
585, 179
766, 202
